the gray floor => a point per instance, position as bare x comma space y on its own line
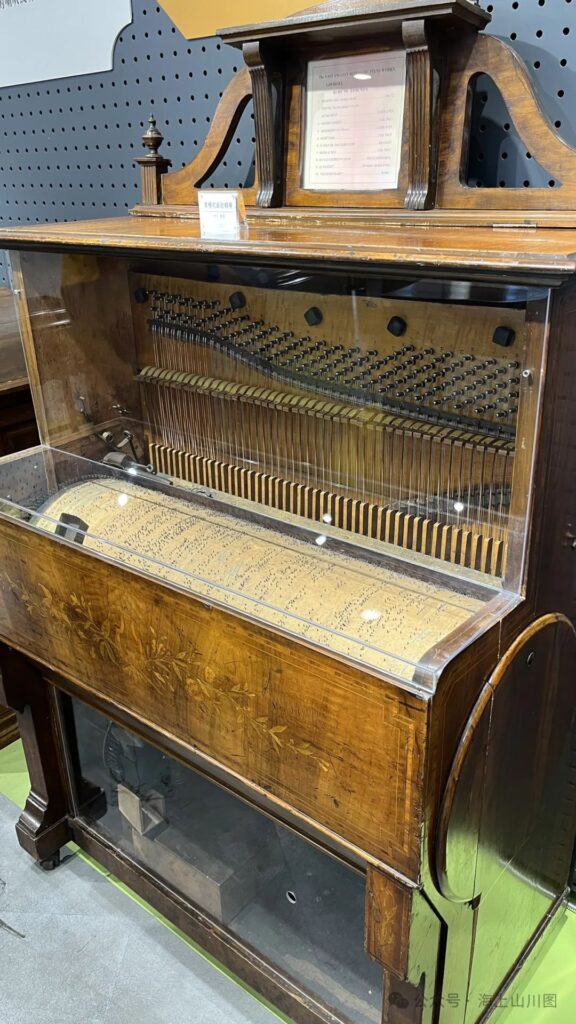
76, 950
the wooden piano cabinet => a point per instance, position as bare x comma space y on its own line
405, 711
403, 932
493, 838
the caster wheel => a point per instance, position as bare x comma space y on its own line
51, 862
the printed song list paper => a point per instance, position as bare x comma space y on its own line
354, 116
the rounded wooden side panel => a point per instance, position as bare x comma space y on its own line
507, 820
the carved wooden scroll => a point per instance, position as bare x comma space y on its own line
419, 104
266, 141
492, 57
180, 187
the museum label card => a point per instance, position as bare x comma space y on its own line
222, 213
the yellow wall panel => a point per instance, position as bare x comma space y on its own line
195, 20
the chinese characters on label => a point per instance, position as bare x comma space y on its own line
453, 1000
222, 213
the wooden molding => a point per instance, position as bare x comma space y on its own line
266, 143
419, 103
467, 782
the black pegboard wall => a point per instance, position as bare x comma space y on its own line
544, 34
66, 146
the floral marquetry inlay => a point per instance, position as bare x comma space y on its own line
159, 665
334, 744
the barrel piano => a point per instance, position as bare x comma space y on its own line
287, 590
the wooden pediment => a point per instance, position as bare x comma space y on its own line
445, 53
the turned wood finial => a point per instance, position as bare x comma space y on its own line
152, 164
152, 137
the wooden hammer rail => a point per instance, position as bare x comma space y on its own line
471, 546
371, 418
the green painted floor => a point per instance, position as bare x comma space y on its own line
545, 992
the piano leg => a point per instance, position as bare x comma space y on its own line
43, 825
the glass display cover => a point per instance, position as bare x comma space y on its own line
343, 457
365, 605
301, 909
12, 363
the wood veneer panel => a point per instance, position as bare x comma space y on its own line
512, 252
348, 755
388, 914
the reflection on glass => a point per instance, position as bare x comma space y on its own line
382, 612
300, 908
344, 458
12, 365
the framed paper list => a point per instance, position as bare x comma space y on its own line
354, 117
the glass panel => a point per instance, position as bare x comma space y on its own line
346, 458
300, 908
12, 365
366, 404
401, 411
368, 606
